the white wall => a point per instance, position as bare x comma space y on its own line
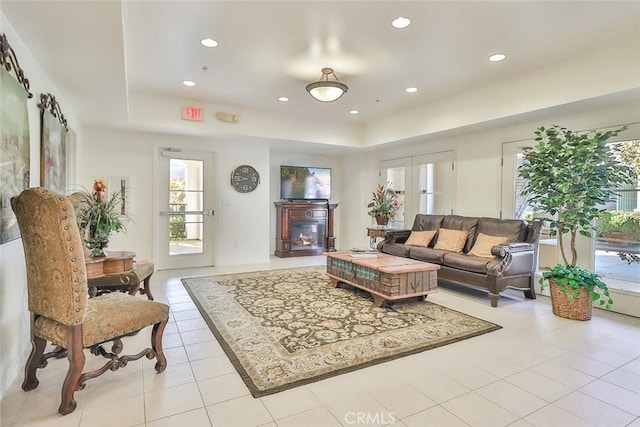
164, 112
14, 318
605, 71
241, 220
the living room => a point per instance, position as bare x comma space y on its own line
474, 123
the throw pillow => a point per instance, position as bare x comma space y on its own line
451, 240
484, 243
420, 238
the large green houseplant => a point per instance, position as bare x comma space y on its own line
570, 176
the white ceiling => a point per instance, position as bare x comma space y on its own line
100, 52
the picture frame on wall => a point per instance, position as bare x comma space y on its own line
15, 147
120, 185
54, 135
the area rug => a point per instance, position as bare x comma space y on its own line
284, 328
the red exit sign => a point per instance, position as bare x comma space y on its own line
192, 113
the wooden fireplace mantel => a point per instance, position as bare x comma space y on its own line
316, 214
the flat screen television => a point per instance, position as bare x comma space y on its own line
305, 183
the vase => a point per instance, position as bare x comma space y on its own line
100, 251
382, 220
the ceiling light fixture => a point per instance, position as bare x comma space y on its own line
283, 98
354, 112
497, 57
208, 42
327, 91
189, 83
411, 89
401, 22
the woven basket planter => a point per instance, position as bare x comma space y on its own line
579, 308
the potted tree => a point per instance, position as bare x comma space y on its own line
571, 176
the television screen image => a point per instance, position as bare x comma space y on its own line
305, 183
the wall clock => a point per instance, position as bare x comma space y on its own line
245, 178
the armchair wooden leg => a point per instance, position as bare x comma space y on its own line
147, 288
76, 358
156, 344
37, 350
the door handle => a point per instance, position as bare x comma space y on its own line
208, 212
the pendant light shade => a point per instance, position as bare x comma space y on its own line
325, 90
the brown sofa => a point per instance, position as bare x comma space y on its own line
512, 266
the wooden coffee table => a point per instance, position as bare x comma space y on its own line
386, 277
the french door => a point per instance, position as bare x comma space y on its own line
184, 209
423, 184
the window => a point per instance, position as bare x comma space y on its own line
617, 246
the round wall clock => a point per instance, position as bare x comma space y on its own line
245, 178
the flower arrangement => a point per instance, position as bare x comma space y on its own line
98, 216
384, 203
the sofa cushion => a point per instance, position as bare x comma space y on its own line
451, 240
427, 254
466, 262
484, 243
427, 222
397, 249
467, 223
514, 229
420, 238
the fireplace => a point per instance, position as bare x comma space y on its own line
304, 228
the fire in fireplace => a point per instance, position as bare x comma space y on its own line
303, 240
308, 234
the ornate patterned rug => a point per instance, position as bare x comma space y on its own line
285, 328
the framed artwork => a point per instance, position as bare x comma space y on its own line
14, 138
54, 134
120, 185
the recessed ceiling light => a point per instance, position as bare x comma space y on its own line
497, 57
208, 42
401, 22
411, 89
354, 112
283, 98
189, 83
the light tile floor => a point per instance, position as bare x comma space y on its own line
538, 370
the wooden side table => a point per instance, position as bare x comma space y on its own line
374, 233
122, 273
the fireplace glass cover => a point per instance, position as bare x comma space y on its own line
307, 235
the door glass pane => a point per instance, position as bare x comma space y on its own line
521, 203
426, 189
433, 177
516, 205
186, 198
396, 180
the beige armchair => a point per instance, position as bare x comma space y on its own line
61, 311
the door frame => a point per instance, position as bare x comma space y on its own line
161, 257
